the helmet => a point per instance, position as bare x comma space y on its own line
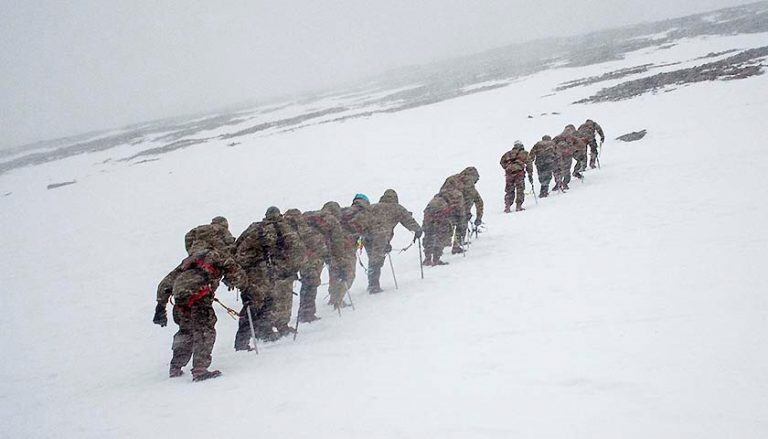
546, 138
518, 144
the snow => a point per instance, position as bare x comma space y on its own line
632, 306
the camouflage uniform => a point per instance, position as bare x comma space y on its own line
587, 130
271, 253
355, 223
464, 182
193, 284
437, 228
544, 155
213, 235
515, 164
385, 215
322, 242
564, 159
578, 145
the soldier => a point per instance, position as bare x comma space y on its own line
464, 182
578, 145
355, 223
544, 155
213, 235
385, 215
271, 254
588, 130
193, 284
564, 159
324, 245
437, 229
515, 163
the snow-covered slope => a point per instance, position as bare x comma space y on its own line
633, 306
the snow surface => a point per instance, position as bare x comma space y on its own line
633, 306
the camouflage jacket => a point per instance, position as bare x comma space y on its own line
543, 153
437, 212
386, 215
589, 128
465, 182
200, 273
270, 245
356, 222
208, 236
516, 161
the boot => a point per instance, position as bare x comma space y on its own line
204, 374
439, 262
374, 289
175, 372
308, 318
456, 251
506, 209
519, 208
544, 192
564, 187
427, 260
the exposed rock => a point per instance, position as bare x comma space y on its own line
743, 65
58, 185
633, 136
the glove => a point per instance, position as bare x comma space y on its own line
478, 222
418, 233
160, 317
388, 248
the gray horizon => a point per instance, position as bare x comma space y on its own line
75, 67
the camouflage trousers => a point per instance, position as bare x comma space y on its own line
563, 171
310, 280
270, 302
580, 156
341, 276
375, 248
514, 190
545, 171
196, 335
437, 236
592, 153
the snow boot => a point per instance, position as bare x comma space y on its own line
374, 289
439, 262
204, 374
309, 318
519, 208
506, 209
175, 372
456, 251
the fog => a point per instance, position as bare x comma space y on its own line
75, 66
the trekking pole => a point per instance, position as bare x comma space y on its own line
253, 331
597, 157
393, 270
533, 189
232, 313
421, 259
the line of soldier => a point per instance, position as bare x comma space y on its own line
553, 159
266, 259
270, 255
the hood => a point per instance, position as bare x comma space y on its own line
273, 214
332, 208
390, 196
471, 173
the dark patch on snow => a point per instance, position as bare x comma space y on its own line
280, 123
7, 194
633, 136
180, 144
716, 54
146, 161
58, 185
745, 64
233, 144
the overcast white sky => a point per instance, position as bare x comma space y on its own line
71, 66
